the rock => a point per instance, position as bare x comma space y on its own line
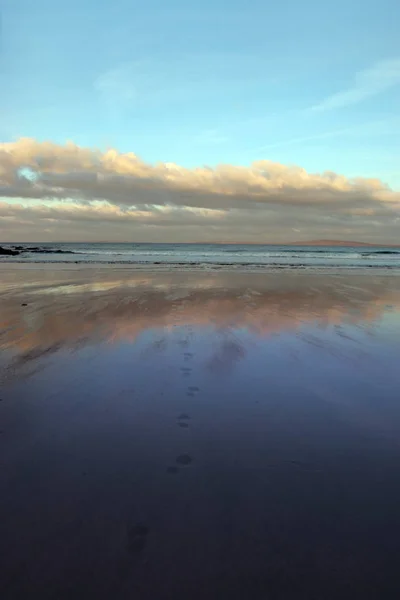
8, 252
48, 251
14, 250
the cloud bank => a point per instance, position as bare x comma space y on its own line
68, 192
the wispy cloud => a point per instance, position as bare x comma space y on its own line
372, 128
306, 138
369, 82
156, 80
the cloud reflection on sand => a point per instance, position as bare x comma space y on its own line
77, 309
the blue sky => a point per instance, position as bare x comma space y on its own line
308, 83
206, 83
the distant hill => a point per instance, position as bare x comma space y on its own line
334, 243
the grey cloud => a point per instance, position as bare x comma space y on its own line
259, 202
181, 223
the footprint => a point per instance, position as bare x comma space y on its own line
303, 465
172, 470
183, 424
190, 394
193, 388
184, 459
139, 530
183, 417
136, 545
186, 370
137, 538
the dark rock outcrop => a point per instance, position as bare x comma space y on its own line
8, 252
36, 250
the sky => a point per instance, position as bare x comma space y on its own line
212, 121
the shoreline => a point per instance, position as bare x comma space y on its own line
199, 267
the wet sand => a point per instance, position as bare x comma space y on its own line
199, 435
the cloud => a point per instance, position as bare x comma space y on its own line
369, 82
157, 80
380, 127
81, 193
143, 301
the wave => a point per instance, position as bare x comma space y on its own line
208, 266
212, 255
204, 256
381, 252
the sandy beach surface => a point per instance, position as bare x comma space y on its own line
197, 435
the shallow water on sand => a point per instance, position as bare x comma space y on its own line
199, 435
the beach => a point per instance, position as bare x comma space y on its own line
173, 434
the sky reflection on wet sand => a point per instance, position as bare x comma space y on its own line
206, 434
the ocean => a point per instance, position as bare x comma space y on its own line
207, 256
